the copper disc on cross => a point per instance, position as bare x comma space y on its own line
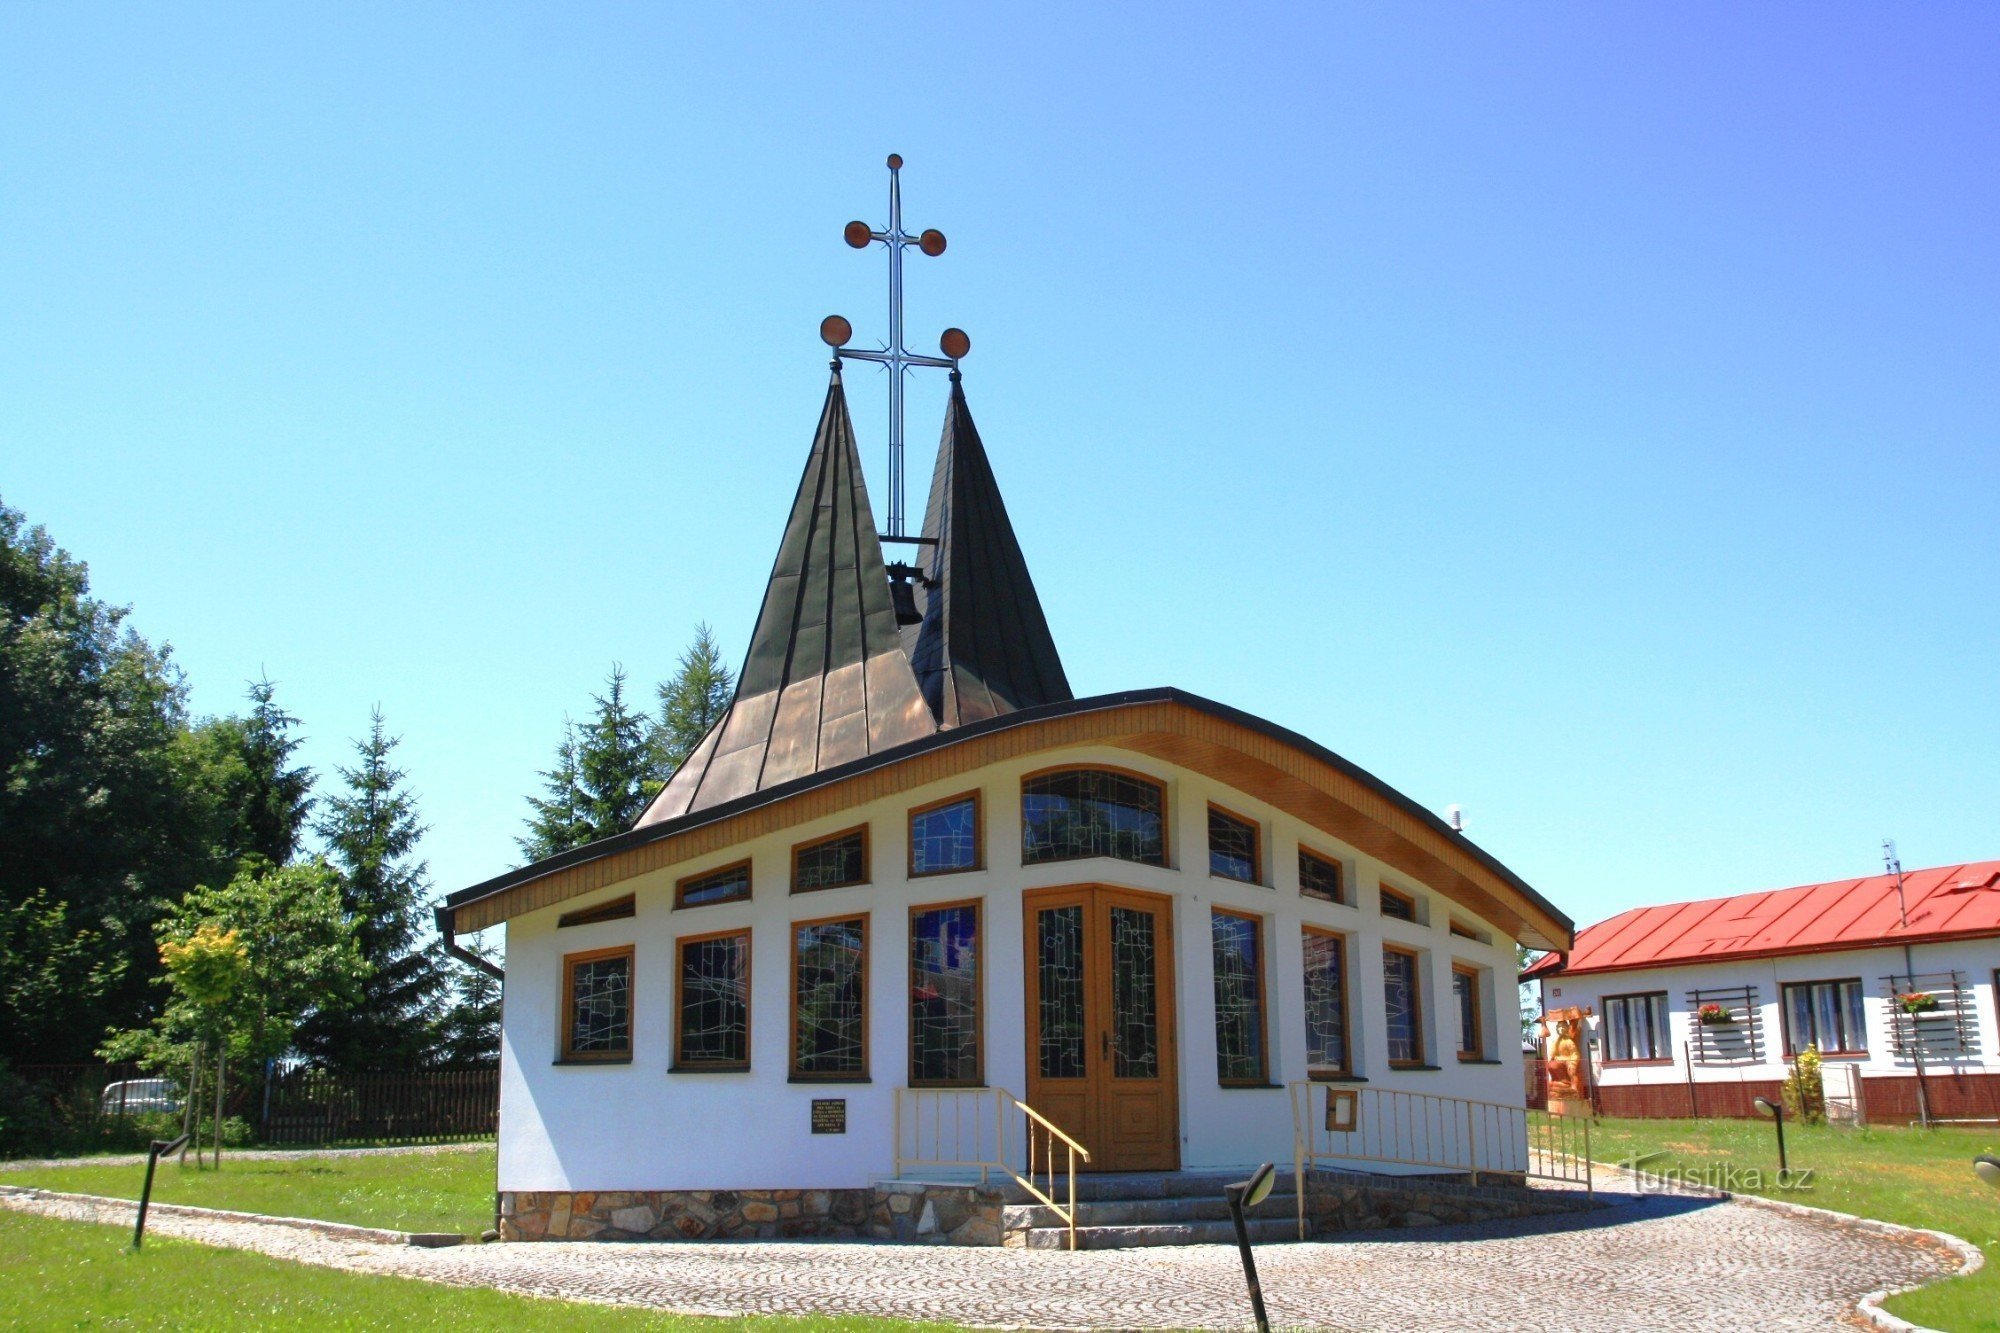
931, 242
834, 331
954, 343
857, 235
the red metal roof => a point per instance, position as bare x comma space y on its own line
1948, 902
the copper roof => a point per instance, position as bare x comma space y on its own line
1946, 902
983, 647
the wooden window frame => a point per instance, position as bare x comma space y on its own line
612, 909
1791, 1046
681, 1065
1263, 1080
1478, 1051
1339, 874
792, 1004
1157, 784
749, 886
1387, 894
1421, 1061
565, 1054
1604, 1004
1346, 1067
978, 906
867, 859
1256, 846
978, 836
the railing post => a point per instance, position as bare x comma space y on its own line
1471, 1143
899, 1133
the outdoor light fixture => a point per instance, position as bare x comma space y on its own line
158, 1149
1245, 1194
1777, 1114
1987, 1168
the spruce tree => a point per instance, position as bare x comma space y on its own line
371, 832
279, 799
557, 823
470, 1037
613, 762
690, 704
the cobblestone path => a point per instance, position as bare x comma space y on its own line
1650, 1262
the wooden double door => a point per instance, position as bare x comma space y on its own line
1101, 1023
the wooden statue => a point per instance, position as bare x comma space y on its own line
1569, 1071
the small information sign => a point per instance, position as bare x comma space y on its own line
829, 1115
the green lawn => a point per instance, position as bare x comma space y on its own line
80, 1275
1917, 1178
441, 1191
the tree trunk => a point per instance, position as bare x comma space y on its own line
188, 1109
221, 1076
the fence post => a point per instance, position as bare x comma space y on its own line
1471, 1143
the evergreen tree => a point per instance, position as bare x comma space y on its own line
613, 762
279, 799
470, 1036
690, 704
371, 833
558, 822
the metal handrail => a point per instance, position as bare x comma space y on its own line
956, 1133
1423, 1129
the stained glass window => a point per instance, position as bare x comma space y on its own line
597, 1022
1232, 847
945, 838
1135, 995
1401, 1007
1400, 906
1091, 812
944, 995
831, 862
713, 1023
1239, 997
1059, 991
830, 998
1320, 878
726, 885
1465, 993
1326, 1003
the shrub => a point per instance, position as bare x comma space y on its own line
1805, 1089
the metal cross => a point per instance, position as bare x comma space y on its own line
835, 331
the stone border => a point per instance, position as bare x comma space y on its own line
333, 1230
1869, 1307
911, 1212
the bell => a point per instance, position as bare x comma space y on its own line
903, 596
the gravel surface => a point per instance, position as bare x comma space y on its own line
1648, 1262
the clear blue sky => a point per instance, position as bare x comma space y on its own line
1587, 414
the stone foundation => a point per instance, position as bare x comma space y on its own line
904, 1211
1348, 1201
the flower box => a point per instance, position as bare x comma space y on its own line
1917, 1002
1714, 1016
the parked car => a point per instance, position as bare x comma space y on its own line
134, 1095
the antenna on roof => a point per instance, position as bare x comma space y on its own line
1894, 865
1454, 815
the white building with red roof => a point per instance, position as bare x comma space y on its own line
1700, 1007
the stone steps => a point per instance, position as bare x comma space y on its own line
1144, 1212
1261, 1229
1129, 1210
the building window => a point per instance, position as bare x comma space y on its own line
1320, 878
945, 837
1239, 996
1402, 1006
831, 863
944, 996
1326, 1003
1465, 991
1233, 847
1398, 905
1826, 1014
1092, 812
712, 1002
1635, 1027
729, 884
616, 910
597, 1005
830, 998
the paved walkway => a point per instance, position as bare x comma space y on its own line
1651, 1262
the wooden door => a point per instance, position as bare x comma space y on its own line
1101, 1023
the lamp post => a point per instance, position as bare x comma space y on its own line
1987, 1168
1777, 1114
1245, 1194
158, 1149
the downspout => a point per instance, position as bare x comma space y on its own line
460, 952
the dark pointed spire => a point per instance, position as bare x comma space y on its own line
983, 647
826, 680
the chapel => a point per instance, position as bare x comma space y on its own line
915, 918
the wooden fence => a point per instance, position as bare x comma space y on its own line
304, 1105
